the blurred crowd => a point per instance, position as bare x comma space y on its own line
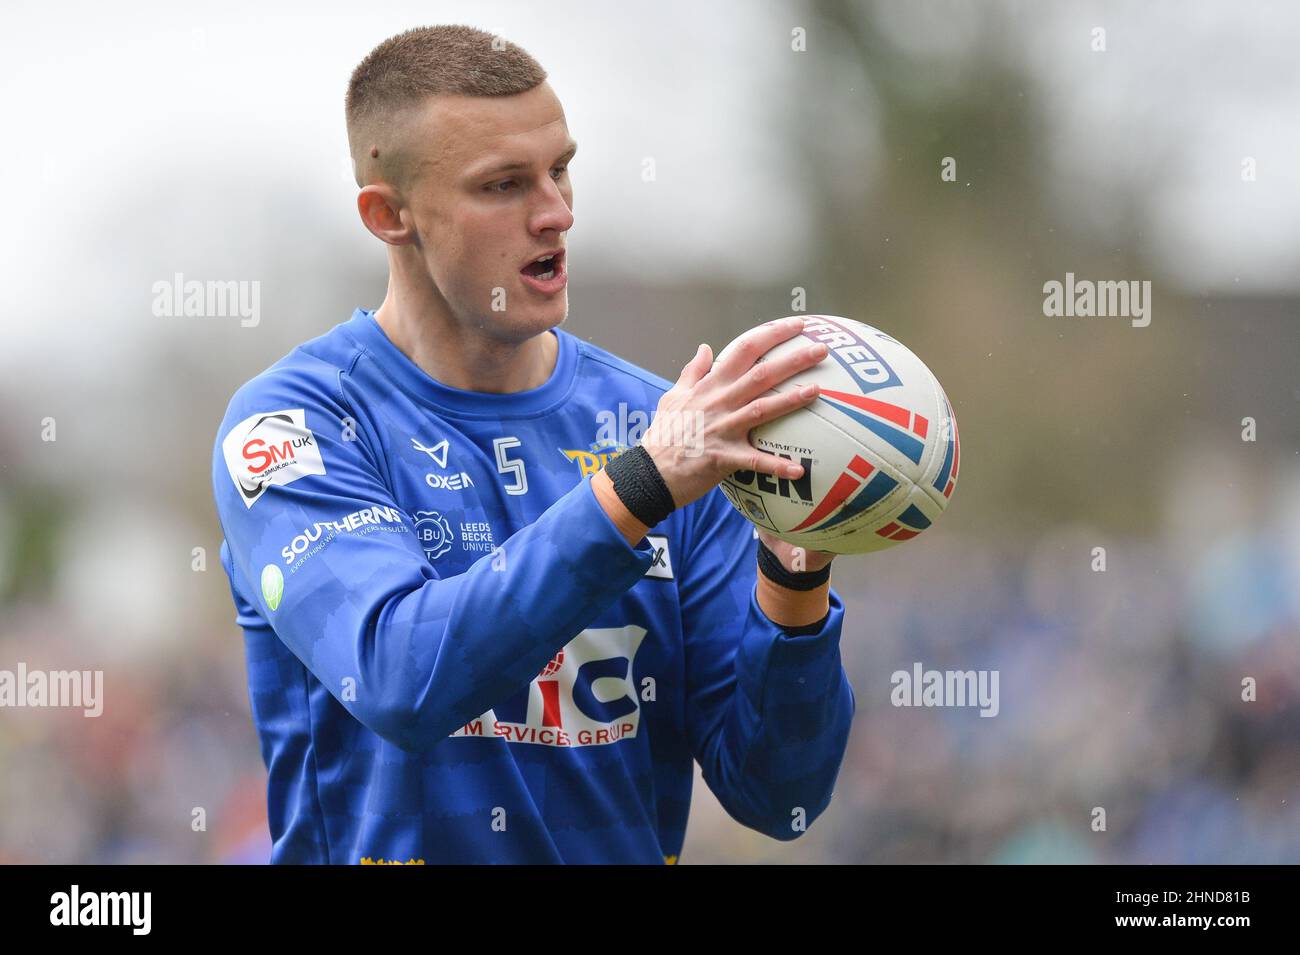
1123, 547
1121, 689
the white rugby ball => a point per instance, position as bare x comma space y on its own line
879, 446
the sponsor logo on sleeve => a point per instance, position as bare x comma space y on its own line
585, 696
270, 448
316, 537
662, 566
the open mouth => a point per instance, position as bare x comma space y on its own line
545, 267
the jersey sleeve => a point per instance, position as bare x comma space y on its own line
411, 655
767, 713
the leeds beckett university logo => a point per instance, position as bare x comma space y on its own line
273, 447
584, 697
434, 533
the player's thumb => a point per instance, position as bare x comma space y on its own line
698, 366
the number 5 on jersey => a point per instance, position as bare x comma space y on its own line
507, 466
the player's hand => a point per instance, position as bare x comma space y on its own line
700, 431
807, 562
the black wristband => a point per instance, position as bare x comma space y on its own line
807, 630
772, 569
640, 486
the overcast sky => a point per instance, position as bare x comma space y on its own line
193, 137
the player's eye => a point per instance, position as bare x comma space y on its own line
559, 171
501, 187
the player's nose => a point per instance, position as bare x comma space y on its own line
553, 210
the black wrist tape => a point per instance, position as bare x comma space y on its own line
772, 569
640, 486
809, 630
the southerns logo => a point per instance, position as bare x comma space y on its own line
273, 447
368, 520
450, 482
855, 356
436, 536
584, 697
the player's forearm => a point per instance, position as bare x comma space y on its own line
632, 529
778, 755
793, 608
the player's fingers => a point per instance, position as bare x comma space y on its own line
697, 367
738, 357
755, 460
766, 375
769, 408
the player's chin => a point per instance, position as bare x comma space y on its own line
548, 310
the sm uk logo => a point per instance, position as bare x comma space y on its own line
270, 448
584, 697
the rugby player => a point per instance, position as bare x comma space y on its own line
481, 624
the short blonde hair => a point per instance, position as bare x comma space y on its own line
426, 61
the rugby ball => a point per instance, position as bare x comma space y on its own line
879, 446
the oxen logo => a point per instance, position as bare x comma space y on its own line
438, 454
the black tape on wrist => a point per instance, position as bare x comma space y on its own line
640, 486
773, 570
808, 630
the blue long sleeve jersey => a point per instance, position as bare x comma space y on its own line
454, 655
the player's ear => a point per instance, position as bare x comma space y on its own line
380, 208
